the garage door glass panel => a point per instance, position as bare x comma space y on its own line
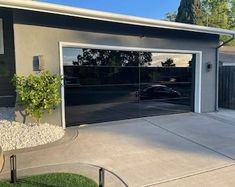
166, 85
97, 75
110, 85
100, 86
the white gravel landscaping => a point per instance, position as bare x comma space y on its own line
15, 135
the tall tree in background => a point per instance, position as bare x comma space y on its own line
212, 13
216, 13
190, 12
220, 14
231, 17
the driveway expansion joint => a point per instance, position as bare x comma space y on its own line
190, 175
221, 119
190, 140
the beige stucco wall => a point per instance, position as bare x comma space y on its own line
31, 41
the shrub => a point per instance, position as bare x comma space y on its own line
38, 94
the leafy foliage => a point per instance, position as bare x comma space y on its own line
190, 12
170, 16
231, 17
216, 13
113, 58
168, 63
212, 13
38, 93
219, 13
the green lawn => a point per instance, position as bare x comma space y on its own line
53, 180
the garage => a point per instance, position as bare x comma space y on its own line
115, 67
103, 84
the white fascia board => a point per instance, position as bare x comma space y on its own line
111, 17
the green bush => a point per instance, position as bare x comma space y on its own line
38, 93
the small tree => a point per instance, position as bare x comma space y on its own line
171, 16
38, 94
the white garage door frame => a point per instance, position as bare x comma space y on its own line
198, 67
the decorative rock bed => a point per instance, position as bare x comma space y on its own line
15, 135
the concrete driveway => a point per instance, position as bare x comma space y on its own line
166, 151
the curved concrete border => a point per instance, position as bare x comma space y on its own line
1, 159
89, 170
70, 135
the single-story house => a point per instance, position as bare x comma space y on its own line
108, 61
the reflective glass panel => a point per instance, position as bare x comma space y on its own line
109, 85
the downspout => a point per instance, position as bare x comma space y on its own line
217, 71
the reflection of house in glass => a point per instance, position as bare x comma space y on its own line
115, 66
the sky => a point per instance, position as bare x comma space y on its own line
155, 9
143, 8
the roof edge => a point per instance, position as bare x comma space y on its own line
110, 17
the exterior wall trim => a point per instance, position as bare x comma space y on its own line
198, 68
61, 45
228, 64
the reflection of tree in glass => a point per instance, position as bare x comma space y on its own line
168, 63
113, 58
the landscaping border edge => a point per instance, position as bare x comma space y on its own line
2, 160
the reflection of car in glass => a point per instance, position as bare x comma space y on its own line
158, 92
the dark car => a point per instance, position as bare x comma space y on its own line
158, 92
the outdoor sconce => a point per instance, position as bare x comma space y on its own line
209, 66
38, 63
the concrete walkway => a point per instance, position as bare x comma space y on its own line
166, 151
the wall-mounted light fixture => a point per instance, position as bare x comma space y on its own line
38, 63
209, 66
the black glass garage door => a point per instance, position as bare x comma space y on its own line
108, 85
